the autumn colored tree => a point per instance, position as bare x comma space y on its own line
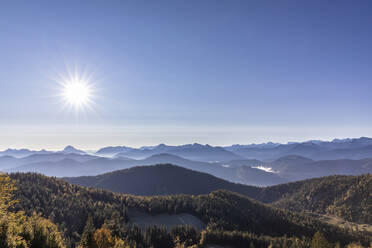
20, 231
319, 241
103, 238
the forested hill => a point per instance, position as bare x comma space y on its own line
348, 197
65, 204
68, 206
162, 179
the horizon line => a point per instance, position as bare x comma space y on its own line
170, 144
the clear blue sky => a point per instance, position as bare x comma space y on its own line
217, 72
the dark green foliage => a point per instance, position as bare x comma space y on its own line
186, 235
86, 239
348, 197
244, 240
115, 224
158, 237
231, 211
133, 234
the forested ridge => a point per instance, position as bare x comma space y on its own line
224, 212
348, 197
66, 204
161, 179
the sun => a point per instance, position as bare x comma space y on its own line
77, 93
76, 89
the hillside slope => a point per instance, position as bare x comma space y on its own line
162, 179
348, 197
62, 203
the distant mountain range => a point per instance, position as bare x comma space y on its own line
205, 153
21, 153
257, 164
317, 150
358, 148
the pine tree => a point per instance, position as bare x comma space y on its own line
87, 239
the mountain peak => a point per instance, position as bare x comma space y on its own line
71, 149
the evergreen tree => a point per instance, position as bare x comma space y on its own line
87, 239
158, 237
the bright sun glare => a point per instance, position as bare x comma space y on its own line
77, 93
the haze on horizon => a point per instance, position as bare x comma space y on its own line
180, 72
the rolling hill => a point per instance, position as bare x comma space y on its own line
162, 179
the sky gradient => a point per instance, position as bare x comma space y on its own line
216, 72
